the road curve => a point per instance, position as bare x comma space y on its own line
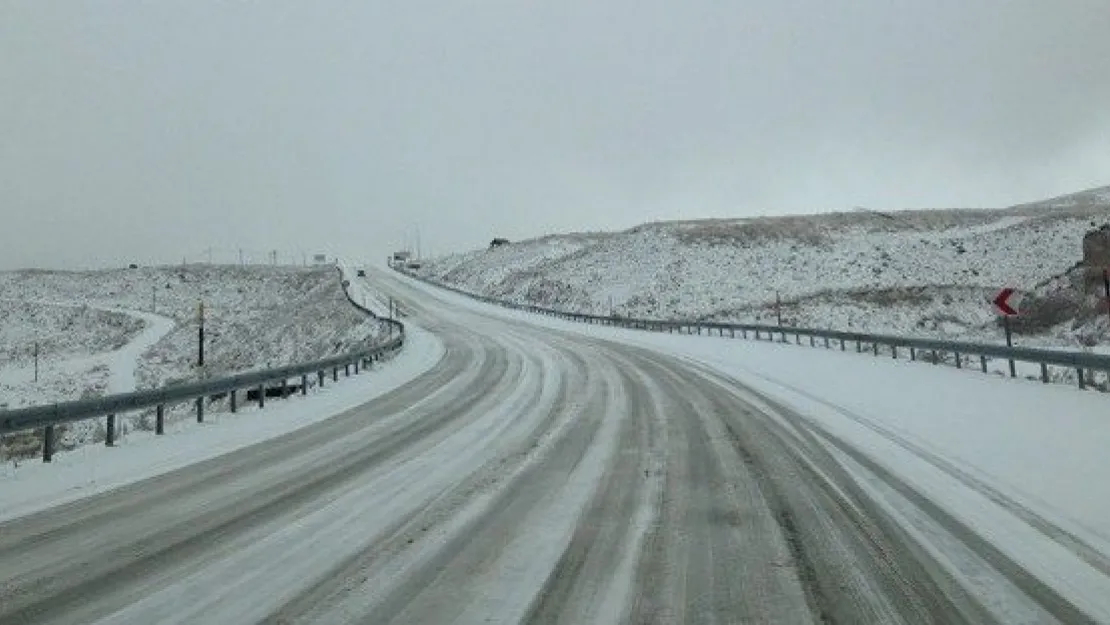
532, 476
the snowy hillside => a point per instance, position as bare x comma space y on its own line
97, 332
909, 272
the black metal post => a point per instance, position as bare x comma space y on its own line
234, 400
1044, 373
320, 378
1009, 343
36, 361
48, 444
200, 410
304, 385
110, 431
983, 362
160, 420
261, 395
335, 374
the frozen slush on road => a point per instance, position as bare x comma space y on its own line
544, 472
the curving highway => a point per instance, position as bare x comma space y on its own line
532, 476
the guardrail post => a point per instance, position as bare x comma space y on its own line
335, 374
320, 378
875, 347
859, 346
200, 410
699, 329
842, 346
1082, 382
110, 431
233, 399
347, 370
284, 388
936, 358
757, 335
894, 351
797, 338
983, 362
913, 353
160, 420
959, 361
826, 342
356, 367
744, 332
304, 384
48, 444
1044, 373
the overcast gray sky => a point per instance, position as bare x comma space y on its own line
156, 130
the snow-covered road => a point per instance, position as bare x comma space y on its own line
540, 473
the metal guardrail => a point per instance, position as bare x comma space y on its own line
50, 415
929, 350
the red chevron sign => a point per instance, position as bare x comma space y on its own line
1006, 302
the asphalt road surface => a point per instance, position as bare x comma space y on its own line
532, 476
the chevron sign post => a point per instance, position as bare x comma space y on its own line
1008, 304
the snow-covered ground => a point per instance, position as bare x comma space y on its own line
112, 331
1019, 462
32, 485
916, 272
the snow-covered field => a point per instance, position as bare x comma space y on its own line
120, 330
915, 272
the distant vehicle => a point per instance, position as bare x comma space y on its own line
413, 264
401, 256
362, 273
498, 242
132, 266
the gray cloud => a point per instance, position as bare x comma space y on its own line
153, 131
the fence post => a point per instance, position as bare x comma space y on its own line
347, 370
959, 361
110, 434
913, 353
1082, 382
335, 374
826, 342
811, 340
859, 346
356, 366
936, 358
304, 384
757, 334
262, 395
233, 399
48, 444
894, 351
320, 376
284, 388
744, 332
1044, 373
842, 346
983, 362
875, 347
160, 420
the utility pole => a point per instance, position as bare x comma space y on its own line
200, 335
36, 362
778, 307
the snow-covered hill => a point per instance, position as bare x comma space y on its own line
96, 333
909, 272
